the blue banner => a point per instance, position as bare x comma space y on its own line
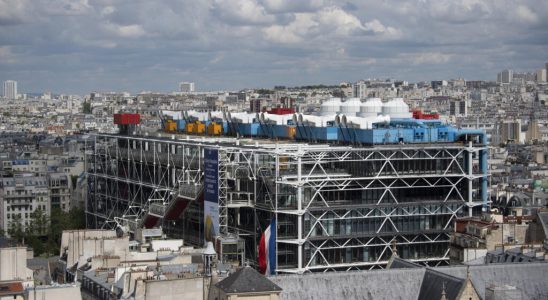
211, 194
211, 175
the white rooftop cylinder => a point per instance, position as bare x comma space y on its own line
371, 108
351, 107
274, 119
330, 107
396, 108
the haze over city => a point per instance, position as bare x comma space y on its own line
80, 46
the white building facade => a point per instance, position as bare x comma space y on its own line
20, 196
186, 87
10, 89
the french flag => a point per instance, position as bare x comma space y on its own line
267, 250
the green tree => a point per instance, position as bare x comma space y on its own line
37, 245
43, 234
15, 228
59, 221
39, 223
264, 91
77, 218
338, 93
36, 231
86, 107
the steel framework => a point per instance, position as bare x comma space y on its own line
337, 207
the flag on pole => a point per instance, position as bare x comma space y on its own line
267, 250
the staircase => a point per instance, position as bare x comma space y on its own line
166, 204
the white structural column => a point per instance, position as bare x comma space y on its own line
300, 212
470, 167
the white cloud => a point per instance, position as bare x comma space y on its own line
334, 18
526, 15
67, 7
457, 11
100, 43
107, 10
126, 31
330, 22
281, 34
6, 55
218, 58
12, 11
376, 26
242, 12
131, 30
425, 58
292, 6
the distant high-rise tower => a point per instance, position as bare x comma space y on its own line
10, 89
546, 67
359, 90
507, 76
458, 108
510, 130
257, 105
541, 75
186, 87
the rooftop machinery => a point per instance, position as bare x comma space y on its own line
351, 122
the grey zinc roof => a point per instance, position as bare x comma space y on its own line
42, 265
399, 263
395, 284
530, 278
392, 284
433, 283
247, 280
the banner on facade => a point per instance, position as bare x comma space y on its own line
211, 194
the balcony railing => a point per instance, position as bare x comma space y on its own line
157, 209
241, 198
189, 190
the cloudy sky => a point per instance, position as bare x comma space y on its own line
84, 45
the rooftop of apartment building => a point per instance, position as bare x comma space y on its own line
23, 180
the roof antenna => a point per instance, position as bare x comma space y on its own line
443, 297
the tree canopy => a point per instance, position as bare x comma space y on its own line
43, 233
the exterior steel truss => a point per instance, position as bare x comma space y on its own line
337, 207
